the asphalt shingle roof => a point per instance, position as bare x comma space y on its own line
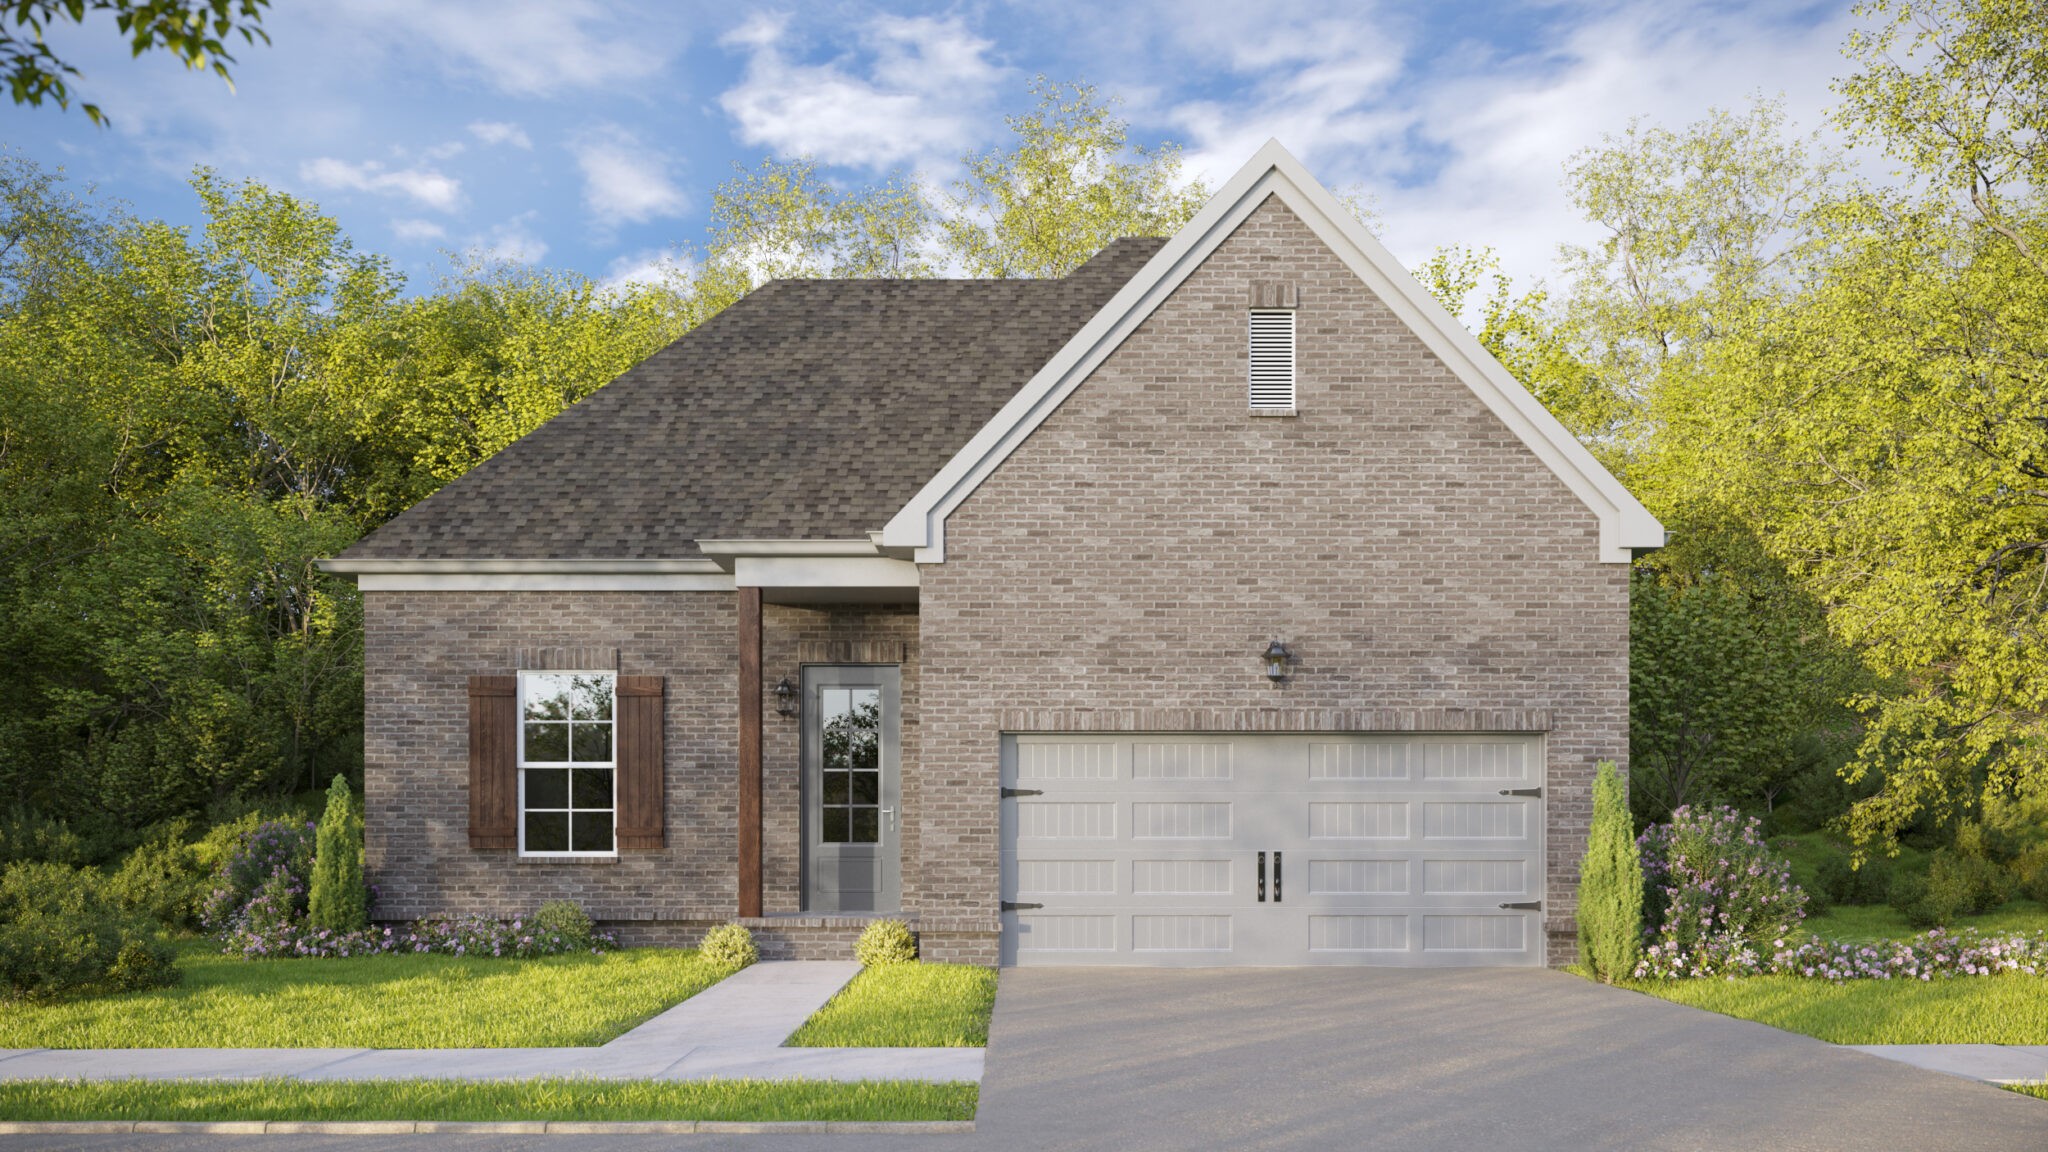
811, 409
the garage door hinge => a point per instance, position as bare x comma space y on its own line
1014, 906
1521, 791
1009, 792
1526, 905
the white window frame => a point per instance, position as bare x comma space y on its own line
1293, 363
611, 766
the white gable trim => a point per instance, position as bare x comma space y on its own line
1625, 525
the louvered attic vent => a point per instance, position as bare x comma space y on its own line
1272, 373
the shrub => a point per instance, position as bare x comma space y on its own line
1611, 884
262, 937
1721, 900
729, 946
335, 897
1924, 957
564, 920
59, 933
2034, 885
1837, 880
162, 879
258, 854
28, 838
885, 942
1955, 885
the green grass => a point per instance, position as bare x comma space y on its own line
374, 1002
1866, 922
2040, 1090
752, 1100
2009, 1009
906, 1006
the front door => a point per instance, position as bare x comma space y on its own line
851, 791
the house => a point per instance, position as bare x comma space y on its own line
1221, 603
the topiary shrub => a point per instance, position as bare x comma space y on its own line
336, 898
885, 942
1611, 884
566, 922
729, 946
1721, 900
60, 934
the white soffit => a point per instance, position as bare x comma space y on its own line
501, 575
1625, 525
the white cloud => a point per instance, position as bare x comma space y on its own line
423, 186
415, 231
924, 95
515, 240
523, 47
651, 266
501, 132
625, 180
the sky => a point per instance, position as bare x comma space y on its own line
589, 134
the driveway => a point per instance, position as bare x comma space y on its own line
1375, 1058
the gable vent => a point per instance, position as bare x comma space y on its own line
1272, 360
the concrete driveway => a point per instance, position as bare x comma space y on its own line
1372, 1059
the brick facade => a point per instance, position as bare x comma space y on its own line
1147, 541
1122, 570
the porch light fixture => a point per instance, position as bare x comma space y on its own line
1276, 657
785, 697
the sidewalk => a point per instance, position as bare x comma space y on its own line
732, 1030
1991, 1063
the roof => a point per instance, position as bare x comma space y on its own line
919, 527
809, 410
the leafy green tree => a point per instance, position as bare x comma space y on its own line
1069, 185
195, 31
337, 899
1611, 884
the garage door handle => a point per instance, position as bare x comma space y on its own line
1009, 792
1262, 877
1521, 791
1526, 905
1276, 877
1013, 906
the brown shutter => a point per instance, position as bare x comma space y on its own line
494, 762
640, 762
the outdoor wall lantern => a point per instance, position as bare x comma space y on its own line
1276, 658
785, 697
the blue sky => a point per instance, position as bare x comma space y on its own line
588, 134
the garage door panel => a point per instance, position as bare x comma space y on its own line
1271, 849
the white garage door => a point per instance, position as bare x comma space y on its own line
1323, 848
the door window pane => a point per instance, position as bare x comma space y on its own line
835, 790
834, 826
867, 788
866, 826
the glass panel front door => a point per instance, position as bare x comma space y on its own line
851, 806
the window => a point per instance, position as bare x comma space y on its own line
1272, 361
566, 764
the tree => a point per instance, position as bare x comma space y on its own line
1611, 884
337, 899
1068, 186
195, 31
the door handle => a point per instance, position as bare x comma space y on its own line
1262, 877
1276, 877
889, 818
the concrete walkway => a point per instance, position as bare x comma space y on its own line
731, 1030
1991, 1063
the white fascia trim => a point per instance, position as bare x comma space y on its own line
823, 572
1625, 525
500, 575
724, 553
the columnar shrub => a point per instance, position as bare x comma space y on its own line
336, 899
885, 942
1611, 884
1721, 901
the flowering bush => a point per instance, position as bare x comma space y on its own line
1716, 895
1924, 957
263, 852
464, 936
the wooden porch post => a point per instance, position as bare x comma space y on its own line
750, 752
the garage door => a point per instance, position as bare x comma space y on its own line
1272, 849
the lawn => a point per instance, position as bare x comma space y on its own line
906, 1006
2009, 1009
374, 1002
749, 1100
2040, 1090
1864, 922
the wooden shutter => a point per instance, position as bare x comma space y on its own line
494, 762
639, 720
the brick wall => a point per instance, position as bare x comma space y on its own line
1144, 545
